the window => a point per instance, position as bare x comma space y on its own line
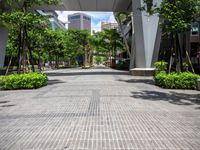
74, 17
195, 28
86, 18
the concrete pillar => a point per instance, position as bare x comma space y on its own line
147, 36
132, 57
147, 39
3, 41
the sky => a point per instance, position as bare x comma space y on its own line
97, 18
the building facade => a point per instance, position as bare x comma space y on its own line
79, 21
109, 25
55, 22
195, 45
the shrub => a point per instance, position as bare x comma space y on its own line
161, 66
23, 81
184, 80
185, 66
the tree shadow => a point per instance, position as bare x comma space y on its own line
86, 73
146, 81
171, 97
52, 82
3, 102
11, 105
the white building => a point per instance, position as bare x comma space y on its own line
55, 22
109, 25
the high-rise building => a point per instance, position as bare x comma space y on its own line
109, 25
55, 22
79, 21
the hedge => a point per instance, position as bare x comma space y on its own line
23, 81
184, 80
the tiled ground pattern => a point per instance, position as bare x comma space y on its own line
99, 109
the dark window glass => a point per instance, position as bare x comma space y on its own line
74, 17
195, 28
86, 18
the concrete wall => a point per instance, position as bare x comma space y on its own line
3, 40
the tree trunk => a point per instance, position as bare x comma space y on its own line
56, 61
190, 61
50, 60
85, 58
19, 50
90, 58
39, 63
23, 49
176, 60
30, 51
39, 66
171, 51
124, 38
111, 58
179, 52
31, 58
8, 65
115, 49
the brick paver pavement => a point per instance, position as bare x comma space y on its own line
99, 109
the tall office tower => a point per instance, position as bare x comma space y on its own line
79, 21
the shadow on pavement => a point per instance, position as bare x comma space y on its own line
171, 97
52, 82
85, 73
8, 105
146, 81
3, 102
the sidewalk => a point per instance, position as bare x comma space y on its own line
99, 109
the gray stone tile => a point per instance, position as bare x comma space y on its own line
99, 109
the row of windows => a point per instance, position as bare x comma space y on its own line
74, 17
78, 17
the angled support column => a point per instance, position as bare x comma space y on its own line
132, 57
147, 36
3, 41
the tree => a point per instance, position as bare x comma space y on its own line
122, 18
78, 45
114, 40
23, 20
177, 17
149, 7
108, 41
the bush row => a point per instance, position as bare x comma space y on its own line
184, 80
23, 81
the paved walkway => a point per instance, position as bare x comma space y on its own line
99, 109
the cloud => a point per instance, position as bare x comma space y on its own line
96, 26
97, 17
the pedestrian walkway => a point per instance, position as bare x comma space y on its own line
99, 109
